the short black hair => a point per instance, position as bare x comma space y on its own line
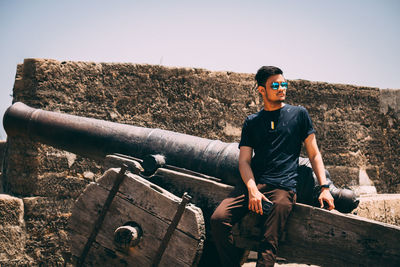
265, 72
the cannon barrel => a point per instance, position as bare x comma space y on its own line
96, 138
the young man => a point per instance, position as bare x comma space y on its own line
275, 134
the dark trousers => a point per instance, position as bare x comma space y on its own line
233, 208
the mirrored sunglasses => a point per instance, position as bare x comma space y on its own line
275, 85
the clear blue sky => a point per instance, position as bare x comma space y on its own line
341, 41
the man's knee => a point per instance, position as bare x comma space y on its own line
217, 219
283, 205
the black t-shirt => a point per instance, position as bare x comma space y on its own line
276, 137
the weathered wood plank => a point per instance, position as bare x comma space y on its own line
317, 236
201, 189
313, 235
103, 256
151, 209
137, 190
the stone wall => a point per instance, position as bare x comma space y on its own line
357, 129
354, 132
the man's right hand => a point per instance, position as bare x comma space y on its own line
255, 196
255, 200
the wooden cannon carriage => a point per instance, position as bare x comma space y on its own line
133, 216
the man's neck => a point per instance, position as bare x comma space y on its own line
271, 106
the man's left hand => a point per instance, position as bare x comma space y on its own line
326, 196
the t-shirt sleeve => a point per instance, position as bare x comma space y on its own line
307, 126
246, 139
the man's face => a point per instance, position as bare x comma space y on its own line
277, 95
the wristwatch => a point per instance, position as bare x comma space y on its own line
324, 186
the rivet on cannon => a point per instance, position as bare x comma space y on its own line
128, 236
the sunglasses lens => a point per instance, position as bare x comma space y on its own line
275, 86
284, 85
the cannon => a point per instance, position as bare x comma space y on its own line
176, 163
97, 138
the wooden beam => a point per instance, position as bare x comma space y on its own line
328, 238
313, 235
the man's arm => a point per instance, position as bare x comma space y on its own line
246, 172
318, 166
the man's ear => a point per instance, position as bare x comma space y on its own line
261, 89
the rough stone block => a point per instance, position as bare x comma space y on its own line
60, 185
46, 226
21, 166
381, 207
33, 174
392, 208
52, 159
11, 211
390, 99
23, 261
12, 244
12, 232
343, 176
346, 136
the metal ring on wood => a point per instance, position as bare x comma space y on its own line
127, 236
